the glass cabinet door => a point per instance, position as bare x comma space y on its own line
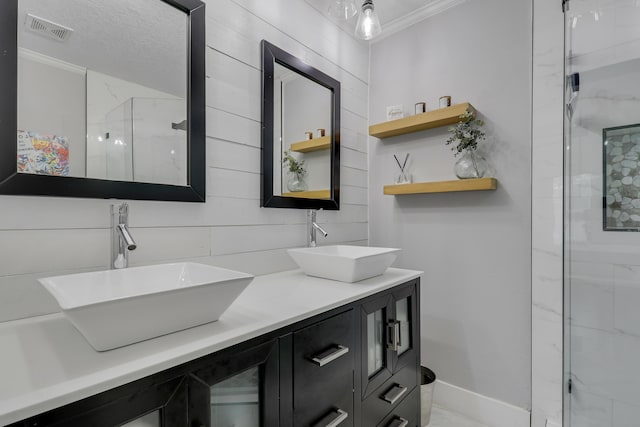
403, 317
390, 334
149, 420
375, 342
375, 354
405, 339
237, 391
235, 402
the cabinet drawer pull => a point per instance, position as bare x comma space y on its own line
334, 419
398, 422
396, 392
328, 356
394, 340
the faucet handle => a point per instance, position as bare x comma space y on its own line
123, 211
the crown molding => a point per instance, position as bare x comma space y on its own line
416, 16
50, 61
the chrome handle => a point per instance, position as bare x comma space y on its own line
396, 392
330, 355
398, 422
394, 340
334, 419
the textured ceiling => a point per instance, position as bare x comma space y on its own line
142, 41
394, 14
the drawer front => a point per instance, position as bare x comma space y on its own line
323, 372
389, 395
406, 414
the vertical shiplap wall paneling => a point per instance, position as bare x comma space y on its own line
42, 236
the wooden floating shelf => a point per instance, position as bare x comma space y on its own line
316, 144
429, 120
314, 194
476, 184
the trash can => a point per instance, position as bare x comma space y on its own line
427, 383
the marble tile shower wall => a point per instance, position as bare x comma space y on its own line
47, 236
605, 267
546, 214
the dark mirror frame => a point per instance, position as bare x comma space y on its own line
14, 183
272, 55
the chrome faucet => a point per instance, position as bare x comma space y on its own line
313, 226
121, 240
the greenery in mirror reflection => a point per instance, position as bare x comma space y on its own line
294, 165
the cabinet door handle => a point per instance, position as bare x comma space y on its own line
395, 340
398, 422
330, 355
334, 419
396, 392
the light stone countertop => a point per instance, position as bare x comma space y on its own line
46, 363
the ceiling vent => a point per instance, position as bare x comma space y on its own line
47, 28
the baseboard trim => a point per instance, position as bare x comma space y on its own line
481, 408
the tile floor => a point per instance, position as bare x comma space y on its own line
441, 417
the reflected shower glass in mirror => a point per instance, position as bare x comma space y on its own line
301, 135
102, 90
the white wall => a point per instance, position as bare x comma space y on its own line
45, 236
474, 247
51, 95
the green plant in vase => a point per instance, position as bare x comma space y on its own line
296, 171
465, 135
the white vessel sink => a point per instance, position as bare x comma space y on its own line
344, 263
118, 307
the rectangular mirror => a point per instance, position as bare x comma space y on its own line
301, 133
106, 99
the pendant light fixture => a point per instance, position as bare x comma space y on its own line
368, 25
343, 9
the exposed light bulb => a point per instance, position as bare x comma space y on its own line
343, 9
368, 25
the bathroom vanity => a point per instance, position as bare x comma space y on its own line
292, 350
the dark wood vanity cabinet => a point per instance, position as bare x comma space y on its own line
159, 400
323, 372
353, 366
390, 352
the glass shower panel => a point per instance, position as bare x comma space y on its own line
142, 140
602, 212
160, 141
118, 143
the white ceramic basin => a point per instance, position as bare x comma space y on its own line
118, 307
344, 263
